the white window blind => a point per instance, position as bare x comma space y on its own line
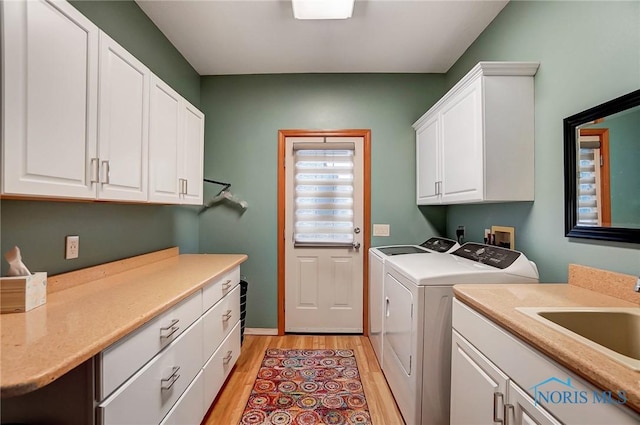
589, 203
323, 196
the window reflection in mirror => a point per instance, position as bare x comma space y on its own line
608, 187
602, 171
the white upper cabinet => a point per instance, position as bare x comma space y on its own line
165, 157
84, 119
428, 166
193, 155
50, 88
176, 147
476, 144
123, 124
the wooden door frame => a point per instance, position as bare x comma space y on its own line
366, 225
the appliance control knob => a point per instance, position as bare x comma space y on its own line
480, 251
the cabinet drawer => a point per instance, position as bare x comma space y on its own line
220, 287
220, 364
220, 320
122, 359
152, 391
189, 409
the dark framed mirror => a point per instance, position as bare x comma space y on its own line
602, 171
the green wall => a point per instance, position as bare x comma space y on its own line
624, 157
589, 53
128, 25
107, 231
244, 114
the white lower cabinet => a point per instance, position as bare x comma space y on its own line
170, 370
219, 365
122, 359
481, 393
220, 320
496, 378
190, 407
151, 392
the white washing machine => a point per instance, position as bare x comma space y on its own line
377, 257
417, 321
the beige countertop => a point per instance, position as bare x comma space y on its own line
499, 303
79, 321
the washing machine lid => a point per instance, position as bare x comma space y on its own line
401, 250
473, 267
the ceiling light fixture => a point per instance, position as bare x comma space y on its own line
322, 9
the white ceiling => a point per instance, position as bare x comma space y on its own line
220, 37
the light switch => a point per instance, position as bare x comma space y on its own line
381, 230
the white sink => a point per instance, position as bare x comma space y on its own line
614, 331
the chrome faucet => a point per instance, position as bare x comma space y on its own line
637, 287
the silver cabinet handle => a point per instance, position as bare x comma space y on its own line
507, 408
226, 285
386, 300
497, 395
226, 316
105, 172
227, 358
167, 383
94, 170
172, 328
435, 184
186, 187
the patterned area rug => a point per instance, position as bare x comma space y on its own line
307, 387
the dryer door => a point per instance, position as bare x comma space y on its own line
398, 321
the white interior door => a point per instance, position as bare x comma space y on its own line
323, 234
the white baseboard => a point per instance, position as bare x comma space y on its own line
260, 331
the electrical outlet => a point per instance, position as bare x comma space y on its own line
72, 247
381, 230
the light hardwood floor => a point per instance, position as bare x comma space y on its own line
230, 404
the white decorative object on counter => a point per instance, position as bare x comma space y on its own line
19, 294
476, 144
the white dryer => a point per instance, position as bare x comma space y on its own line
377, 257
417, 321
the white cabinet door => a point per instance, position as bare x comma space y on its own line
176, 147
49, 83
428, 162
193, 155
165, 157
522, 409
123, 139
462, 146
478, 387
